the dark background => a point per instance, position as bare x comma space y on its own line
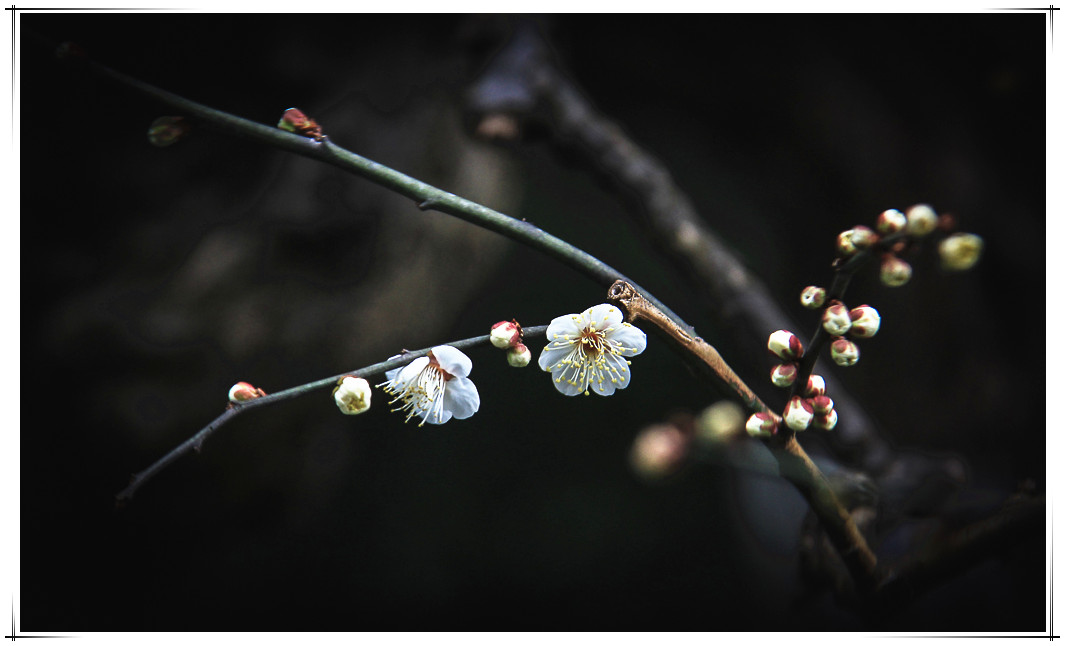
153, 279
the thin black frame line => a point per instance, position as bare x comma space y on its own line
14, 633
12, 8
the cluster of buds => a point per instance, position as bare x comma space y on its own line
812, 407
861, 322
506, 335
894, 233
788, 347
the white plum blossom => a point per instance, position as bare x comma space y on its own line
587, 351
434, 387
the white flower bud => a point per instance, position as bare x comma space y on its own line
785, 345
852, 240
798, 414
815, 386
519, 356
865, 321
783, 375
920, 220
762, 425
895, 272
890, 221
720, 422
836, 320
352, 395
960, 251
844, 352
505, 334
242, 391
826, 421
812, 297
822, 404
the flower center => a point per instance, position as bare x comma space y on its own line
593, 342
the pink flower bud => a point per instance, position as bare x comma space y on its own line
853, 240
293, 120
836, 320
505, 334
762, 425
844, 352
815, 386
783, 375
826, 422
798, 414
822, 404
895, 272
659, 451
920, 220
242, 391
785, 345
865, 321
812, 297
960, 251
890, 221
519, 356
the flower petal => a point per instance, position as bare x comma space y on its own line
603, 316
553, 353
461, 398
562, 327
565, 383
408, 372
444, 416
628, 340
453, 361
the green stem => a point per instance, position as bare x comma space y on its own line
427, 197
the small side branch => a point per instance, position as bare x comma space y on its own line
196, 441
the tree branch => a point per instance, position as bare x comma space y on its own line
195, 442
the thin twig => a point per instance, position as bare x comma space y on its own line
196, 441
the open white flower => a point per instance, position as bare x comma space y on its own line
589, 350
435, 387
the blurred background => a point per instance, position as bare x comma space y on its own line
155, 278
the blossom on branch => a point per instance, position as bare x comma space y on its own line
588, 350
352, 395
434, 387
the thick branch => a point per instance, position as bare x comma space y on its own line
524, 82
795, 465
